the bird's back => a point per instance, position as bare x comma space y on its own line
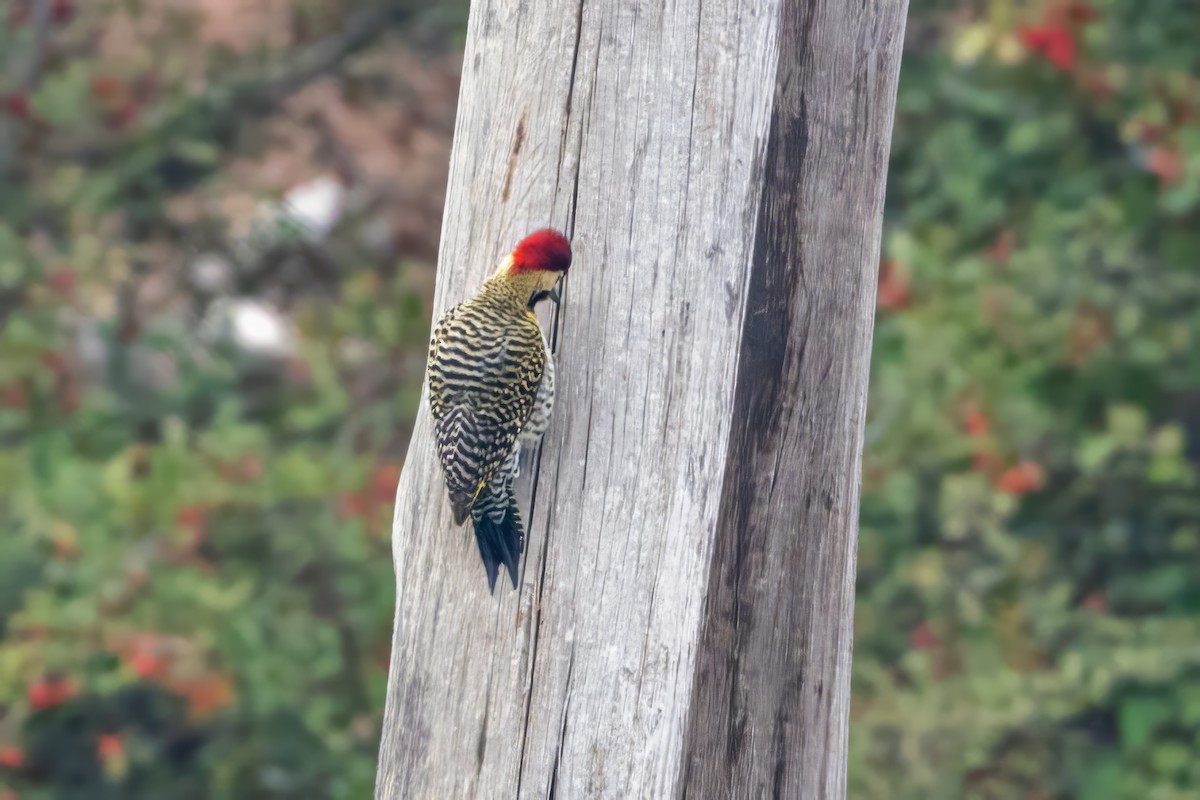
486, 361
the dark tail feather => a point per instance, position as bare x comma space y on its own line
500, 543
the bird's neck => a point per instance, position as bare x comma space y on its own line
511, 289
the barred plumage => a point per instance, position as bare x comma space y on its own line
491, 387
485, 366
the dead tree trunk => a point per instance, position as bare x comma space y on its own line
683, 625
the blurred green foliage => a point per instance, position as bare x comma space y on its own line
195, 565
1028, 620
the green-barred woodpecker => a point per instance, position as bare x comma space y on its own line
491, 390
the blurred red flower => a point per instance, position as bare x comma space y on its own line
12, 395
1022, 478
46, 692
1167, 164
147, 665
923, 637
12, 757
62, 281
62, 11
192, 519
383, 482
351, 505
110, 745
893, 286
1050, 40
1001, 249
977, 423
104, 86
17, 104
205, 694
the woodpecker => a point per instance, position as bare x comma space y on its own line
491, 391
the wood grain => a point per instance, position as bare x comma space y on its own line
689, 572
770, 705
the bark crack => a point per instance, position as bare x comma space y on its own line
562, 731
558, 319
562, 147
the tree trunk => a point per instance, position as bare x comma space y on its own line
684, 619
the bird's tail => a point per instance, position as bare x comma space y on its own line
500, 537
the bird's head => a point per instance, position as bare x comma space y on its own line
537, 263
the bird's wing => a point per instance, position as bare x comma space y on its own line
482, 407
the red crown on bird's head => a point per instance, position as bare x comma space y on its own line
544, 250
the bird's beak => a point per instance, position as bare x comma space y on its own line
554, 295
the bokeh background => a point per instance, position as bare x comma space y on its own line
218, 227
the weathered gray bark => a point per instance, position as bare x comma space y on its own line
683, 625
